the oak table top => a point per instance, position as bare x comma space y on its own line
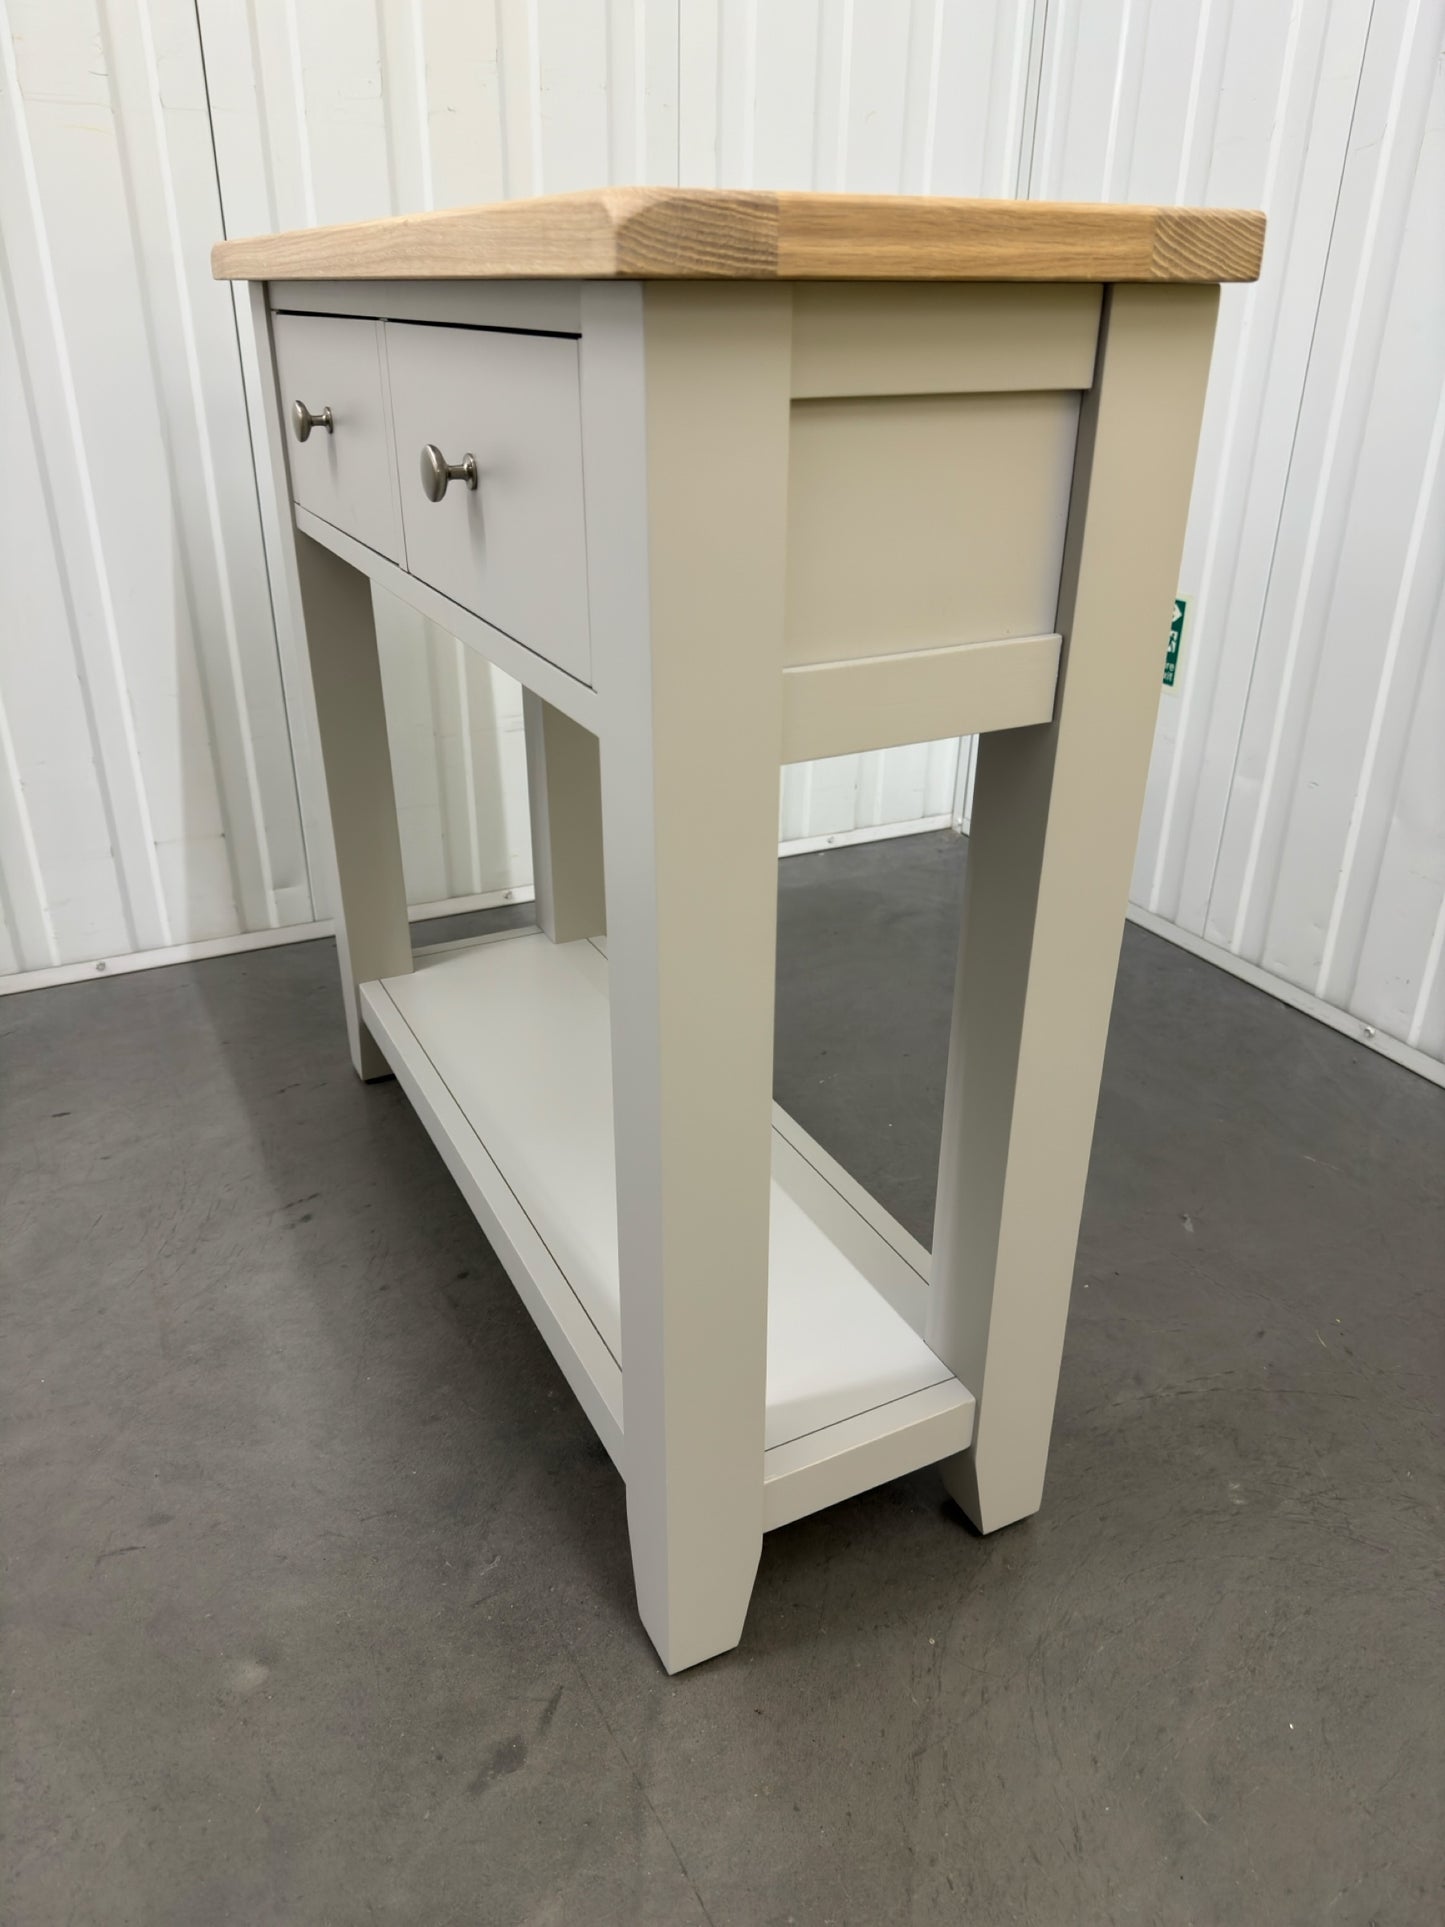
646, 233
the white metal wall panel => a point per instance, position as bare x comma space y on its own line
1306, 60
1296, 810
145, 765
1101, 134
1355, 588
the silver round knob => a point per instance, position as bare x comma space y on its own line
303, 421
437, 471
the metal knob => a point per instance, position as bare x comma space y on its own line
303, 421
437, 471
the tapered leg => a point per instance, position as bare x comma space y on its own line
373, 938
564, 796
1055, 820
689, 384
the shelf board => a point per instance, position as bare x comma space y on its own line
504, 1048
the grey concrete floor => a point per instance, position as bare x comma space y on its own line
317, 1598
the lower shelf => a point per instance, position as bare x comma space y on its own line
504, 1048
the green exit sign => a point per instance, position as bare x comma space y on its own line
1176, 641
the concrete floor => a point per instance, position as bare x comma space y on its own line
318, 1604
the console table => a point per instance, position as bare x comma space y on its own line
728, 481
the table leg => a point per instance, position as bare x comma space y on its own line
1055, 820
373, 937
565, 801
693, 468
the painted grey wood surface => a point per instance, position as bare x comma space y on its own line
338, 706
774, 1341
830, 708
564, 791
519, 1031
915, 521
687, 464
513, 549
345, 474
373, 937
1056, 813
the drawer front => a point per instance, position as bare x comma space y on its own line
344, 474
512, 549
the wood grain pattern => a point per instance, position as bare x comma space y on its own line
701, 234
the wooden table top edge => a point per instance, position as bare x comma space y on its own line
667, 233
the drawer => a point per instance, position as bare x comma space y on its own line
513, 548
345, 474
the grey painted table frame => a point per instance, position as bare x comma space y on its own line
654, 803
